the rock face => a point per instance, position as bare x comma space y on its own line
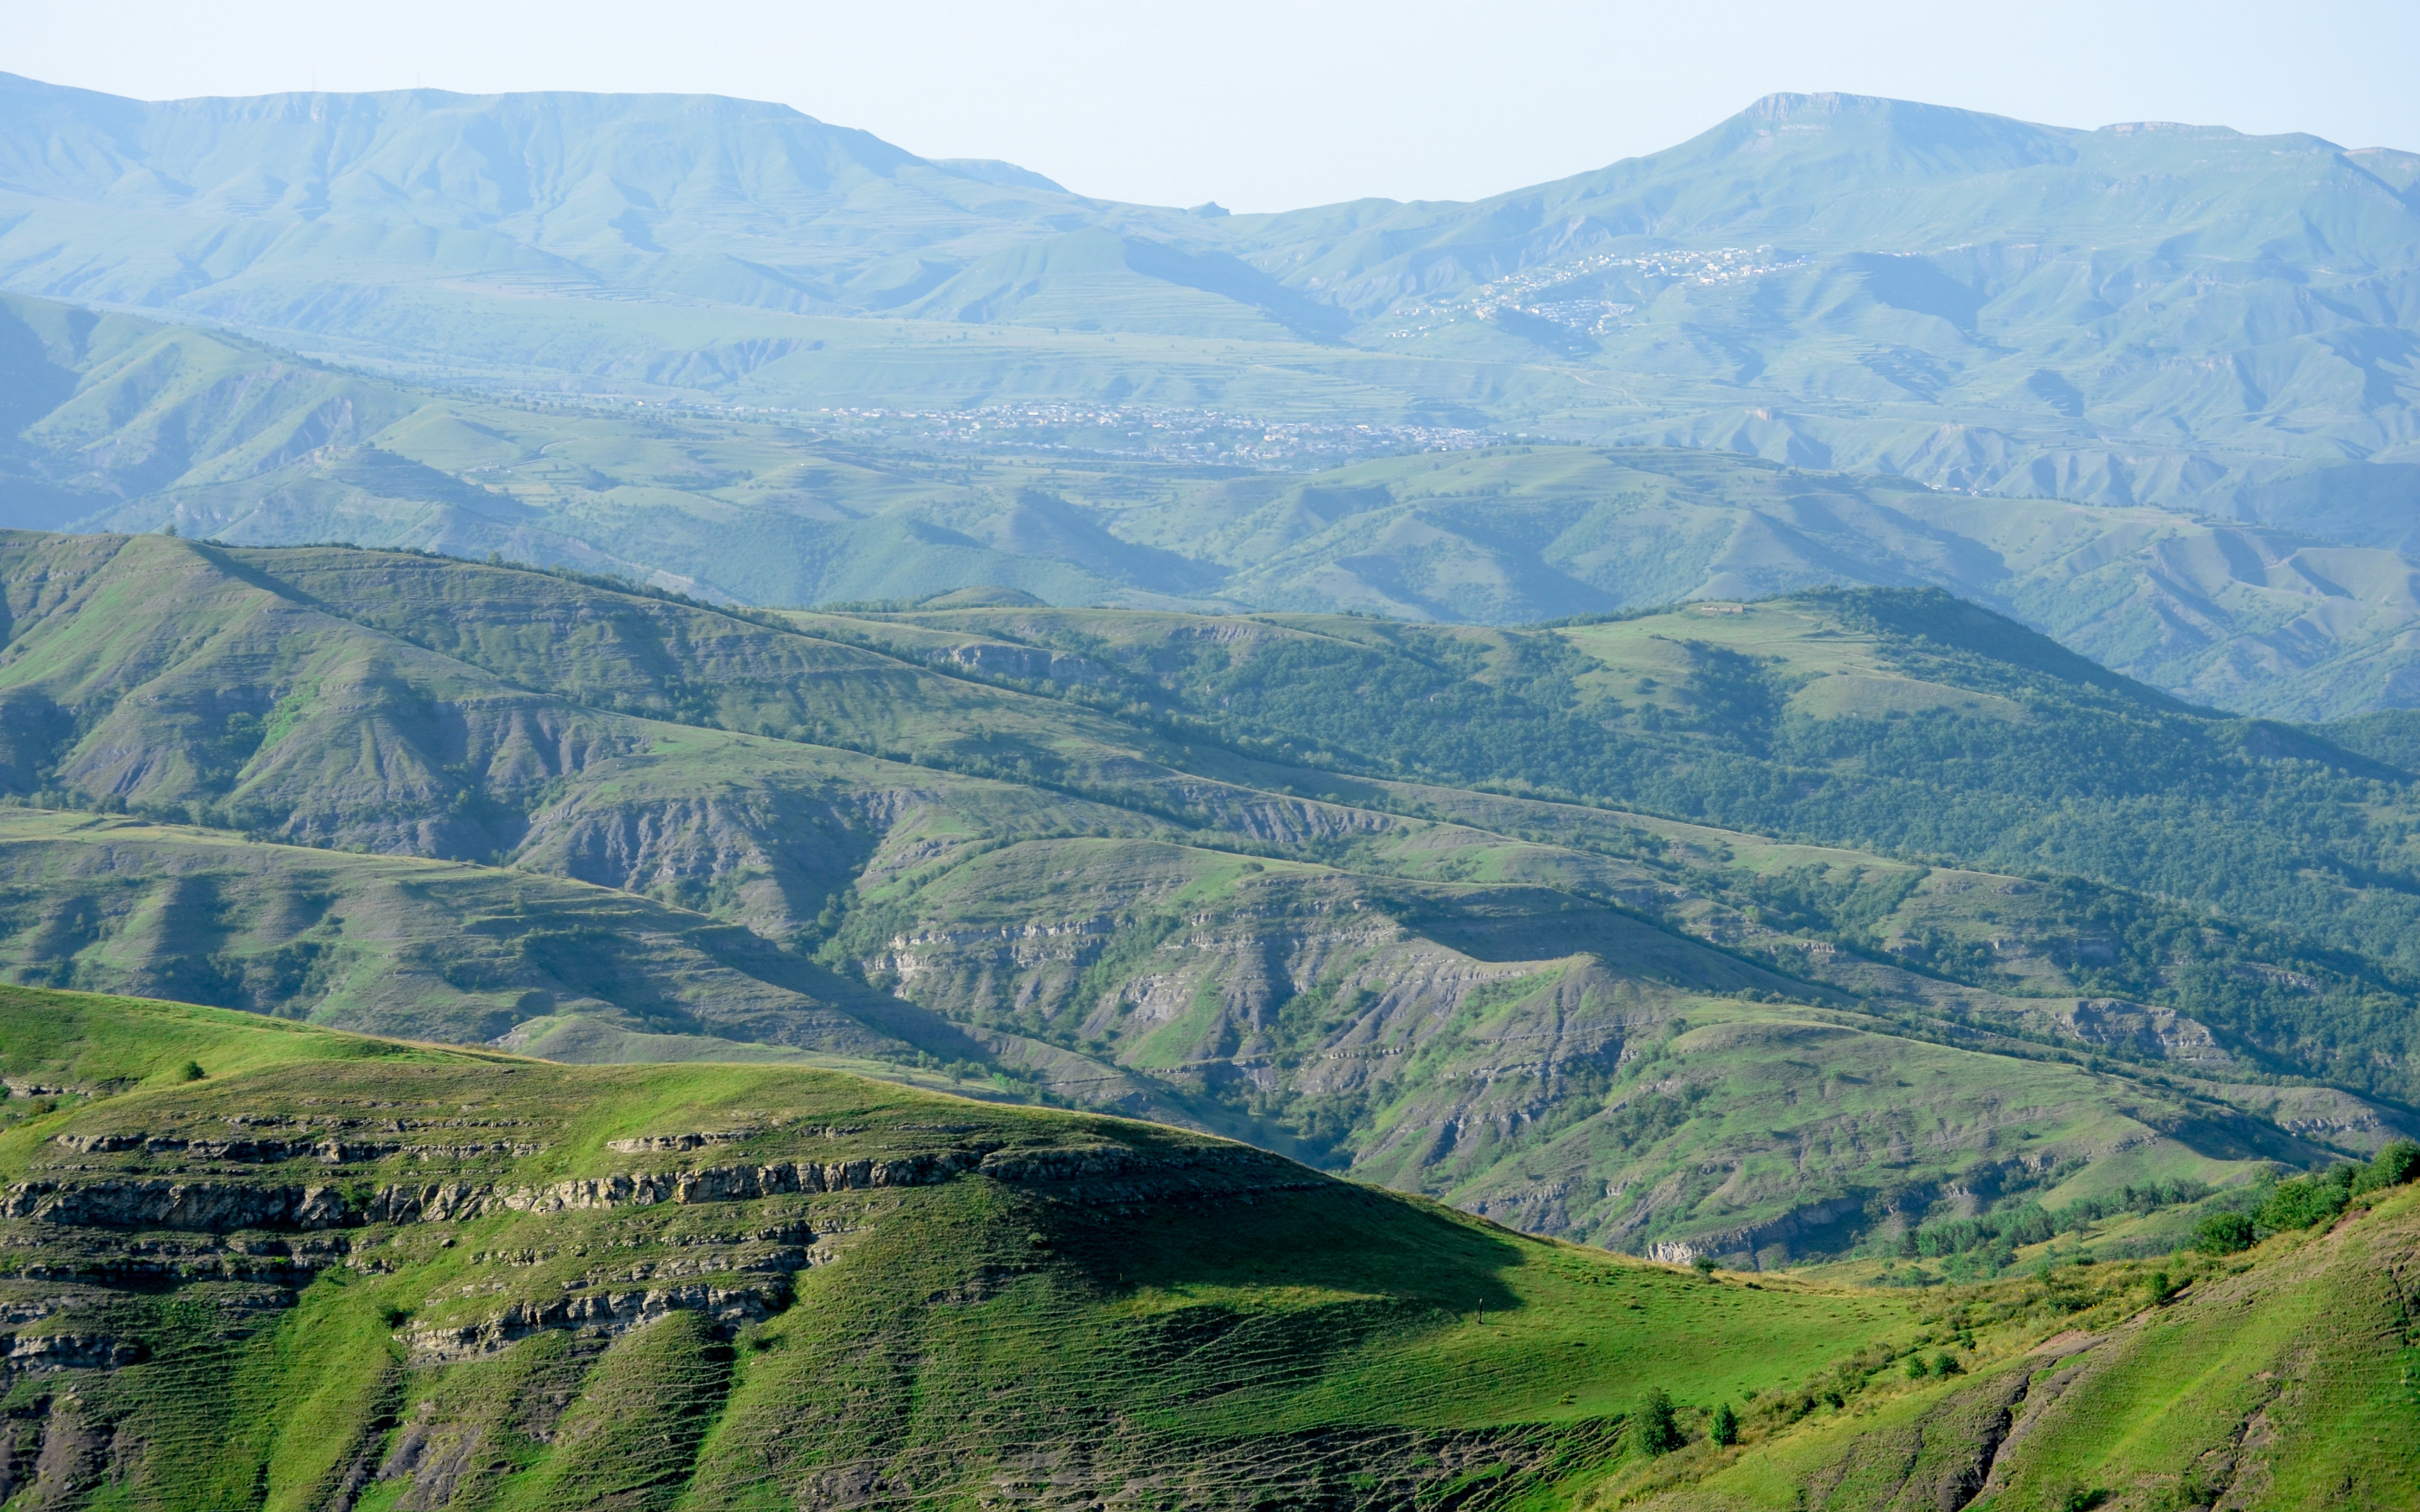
600, 1313
1098, 1175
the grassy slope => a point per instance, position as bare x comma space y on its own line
1905, 723
2282, 1378
1183, 1331
436, 950
1296, 1310
1452, 991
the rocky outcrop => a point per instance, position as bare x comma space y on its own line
989, 658
1114, 1173
651, 1144
727, 1306
1751, 1245
261, 1151
202, 1206
64, 1352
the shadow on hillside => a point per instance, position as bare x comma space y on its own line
1336, 1237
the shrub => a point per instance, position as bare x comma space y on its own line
1916, 1368
191, 1072
2223, 1233
2398, 1163
1725, 1425
1658, 1432
2306, 1200
1945, 1364
2160, 1286
1704, 1265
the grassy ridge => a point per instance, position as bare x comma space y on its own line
156, 425
928, 1334
1154, 1315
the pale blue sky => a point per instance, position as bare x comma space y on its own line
1269, 106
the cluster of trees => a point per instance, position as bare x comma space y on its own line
2308, 1200
1995, 1238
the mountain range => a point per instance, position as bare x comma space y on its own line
2146, 313
694, 814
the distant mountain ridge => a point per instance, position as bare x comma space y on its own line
2144, 313
119, 424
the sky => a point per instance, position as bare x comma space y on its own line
1265, 106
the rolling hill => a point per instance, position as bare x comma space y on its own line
251, 1265
120, 424
1202, 869
694, 814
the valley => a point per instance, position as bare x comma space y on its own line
696, 813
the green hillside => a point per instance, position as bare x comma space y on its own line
381, 1275
1904, 721
2231, 615
124, 424
1146, 863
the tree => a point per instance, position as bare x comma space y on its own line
1704, 1265
2396, 1164
2306, 1200
1658, 1430
2223, 1233
1725, 1425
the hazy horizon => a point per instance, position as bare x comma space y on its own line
1402, 103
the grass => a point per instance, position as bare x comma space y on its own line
1203, 1319
938, 1326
